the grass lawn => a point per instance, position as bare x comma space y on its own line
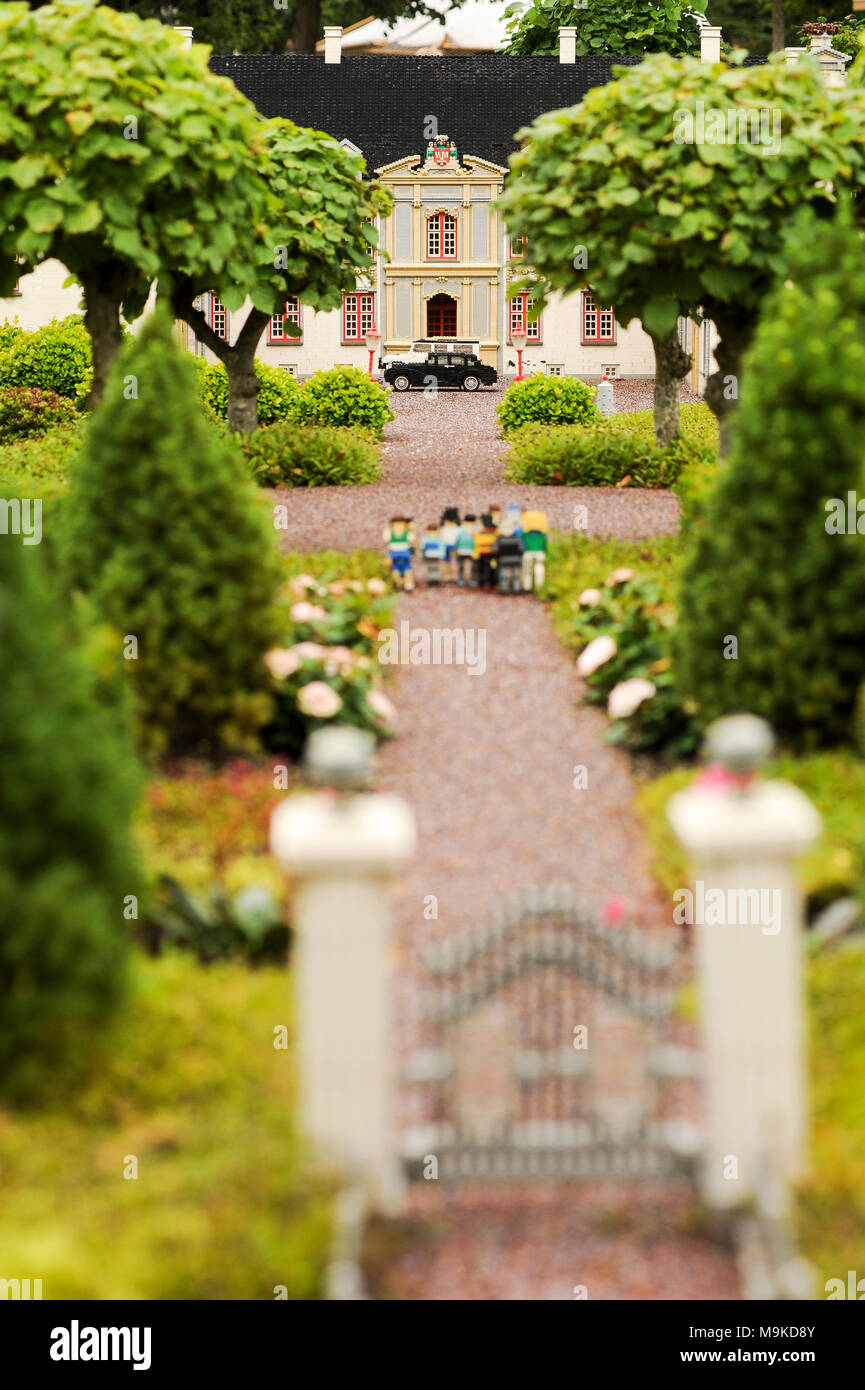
187, 1081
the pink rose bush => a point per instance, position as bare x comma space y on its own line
324, 669
625, 637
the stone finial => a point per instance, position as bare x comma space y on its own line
739, 742
340, 757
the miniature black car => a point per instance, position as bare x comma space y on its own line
458, 369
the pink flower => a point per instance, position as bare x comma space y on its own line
716, 777
612, 910
341, 654
589, 597
376, 586
619, 576
319, 700
300, 583
627, 696
282, 662
310, 651
382, 706
599, 651
307, 612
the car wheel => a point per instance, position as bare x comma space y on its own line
470, 383
401, 383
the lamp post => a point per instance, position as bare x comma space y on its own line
519, 341
373, 340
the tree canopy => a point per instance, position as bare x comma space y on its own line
627, 195
620, 27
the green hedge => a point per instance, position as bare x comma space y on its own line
54, 358
40, 466
548, 400
597, 456
344, 396
290, 455
28, 411
275, 399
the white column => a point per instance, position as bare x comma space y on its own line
710, 43
333, 43
568, 43
341, 852
751, 1001
185, 31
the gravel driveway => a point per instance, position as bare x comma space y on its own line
445, 451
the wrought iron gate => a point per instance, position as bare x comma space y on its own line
548, 1049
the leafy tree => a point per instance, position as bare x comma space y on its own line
620, 27
767, 566
763, 26
621, 194
164, 535
317, 241
122, 156
68, 788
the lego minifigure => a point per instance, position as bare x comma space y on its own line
535, 528
464, 548
450, 525
508, 553
513, 523
485, 539
399, 539
433, 551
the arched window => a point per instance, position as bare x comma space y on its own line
441, 237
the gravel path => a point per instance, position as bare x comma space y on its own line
488, 768
445, 451
487, 763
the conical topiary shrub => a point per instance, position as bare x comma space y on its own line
166, 535
67, 870
771, 613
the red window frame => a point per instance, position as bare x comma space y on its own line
217, 316
441, 237
292, 312
358, 315
518, 319
517, 248
596, 325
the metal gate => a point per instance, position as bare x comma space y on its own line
549, 1048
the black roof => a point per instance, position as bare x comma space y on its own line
382, 103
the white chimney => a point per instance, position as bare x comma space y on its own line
185, 32
333, 43
568, 43
710, 43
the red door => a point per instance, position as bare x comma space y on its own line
441, 317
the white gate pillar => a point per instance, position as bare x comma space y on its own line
744, 837
342, 849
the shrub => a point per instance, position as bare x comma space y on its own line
344, 396
547, 400
10, 332
26, 411
166, 535
54, 358
632, 611
764, 568
275, 399
39, 466
67, 791
596, 456
288, 455
330, 628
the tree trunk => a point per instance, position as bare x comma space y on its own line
671, 364
723, 386
307, 26
102, 320
238, 358
778, 39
